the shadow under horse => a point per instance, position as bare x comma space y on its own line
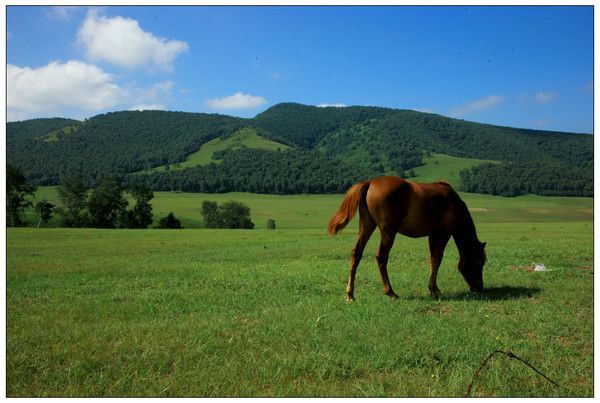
416, 210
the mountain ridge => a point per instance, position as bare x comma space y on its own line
364, 141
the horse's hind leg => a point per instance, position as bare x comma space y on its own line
437, 244
365, 229
383, 253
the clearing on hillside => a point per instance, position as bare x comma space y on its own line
245, 137
445, 167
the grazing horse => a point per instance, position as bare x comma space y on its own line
415, 210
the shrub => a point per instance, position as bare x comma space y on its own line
169, 222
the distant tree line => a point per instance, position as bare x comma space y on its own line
260, 171
102, 207
514, 179
106, 206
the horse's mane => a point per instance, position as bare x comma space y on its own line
465, 228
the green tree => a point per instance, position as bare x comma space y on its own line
44, 210
210, 211
140, 216
17, 189
270, 223
235, 215
169, 222
106, 204
73, 194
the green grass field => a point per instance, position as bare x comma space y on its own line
314, 211
245, 137
231, 313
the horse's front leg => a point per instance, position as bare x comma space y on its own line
437, 244
383, 253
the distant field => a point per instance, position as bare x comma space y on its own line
314, 211
245, 137
445, 167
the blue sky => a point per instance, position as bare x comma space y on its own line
515, 66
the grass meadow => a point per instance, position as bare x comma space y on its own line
247, 313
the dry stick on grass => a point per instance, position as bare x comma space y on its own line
508, 354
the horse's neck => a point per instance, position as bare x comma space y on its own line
464, 233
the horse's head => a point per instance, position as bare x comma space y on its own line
471, 266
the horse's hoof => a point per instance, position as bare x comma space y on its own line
435, 294
349, 299
392, 295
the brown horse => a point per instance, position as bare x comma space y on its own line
415, 210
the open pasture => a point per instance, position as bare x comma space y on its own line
200, 312
314, 211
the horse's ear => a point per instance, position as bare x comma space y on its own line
483, 245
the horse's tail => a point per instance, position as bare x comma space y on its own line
348, 208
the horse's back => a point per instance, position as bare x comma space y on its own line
411, 208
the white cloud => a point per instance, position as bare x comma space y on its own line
61, 13
122, 42
543, 97
32, 92
151, 107
338, 105
236, 101
477, 105
541, 122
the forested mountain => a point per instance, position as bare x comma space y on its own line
332, 148
116, 143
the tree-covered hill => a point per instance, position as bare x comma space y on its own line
116, 143
304, 126
331, 148
30, 129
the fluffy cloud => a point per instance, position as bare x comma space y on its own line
122, 42
475, 106
332, 105
236, 101
32, 92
